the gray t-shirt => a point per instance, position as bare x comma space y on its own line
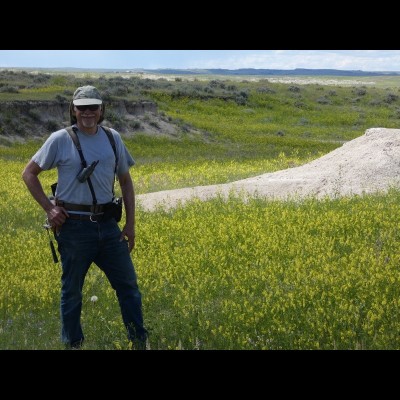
59, 151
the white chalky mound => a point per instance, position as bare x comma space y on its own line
369, 163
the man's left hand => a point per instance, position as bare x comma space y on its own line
128, 233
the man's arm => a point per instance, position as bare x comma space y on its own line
128, 195
56, 215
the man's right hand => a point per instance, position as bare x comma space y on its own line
57, 216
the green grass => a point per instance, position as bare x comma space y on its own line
235, 274
224, 275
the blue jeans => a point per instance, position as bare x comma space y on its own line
81, 243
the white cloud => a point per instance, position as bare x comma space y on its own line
366, 60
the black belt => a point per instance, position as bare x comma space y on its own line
86, 217
94, 208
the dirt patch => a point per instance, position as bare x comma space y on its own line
369, 163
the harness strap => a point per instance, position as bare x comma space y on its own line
72, 132
110, 136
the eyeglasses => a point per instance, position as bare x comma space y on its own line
91, 107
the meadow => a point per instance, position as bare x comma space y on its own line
224, 275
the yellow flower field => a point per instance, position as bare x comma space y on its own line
219, 275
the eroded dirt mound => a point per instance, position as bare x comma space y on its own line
22, 120
367, 164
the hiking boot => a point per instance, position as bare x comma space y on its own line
75, 345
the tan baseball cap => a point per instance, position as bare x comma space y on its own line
86, 95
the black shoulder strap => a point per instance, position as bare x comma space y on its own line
72, 132
110, 136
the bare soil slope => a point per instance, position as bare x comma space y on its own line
367, 164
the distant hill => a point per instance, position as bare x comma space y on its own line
241, 71
286, 72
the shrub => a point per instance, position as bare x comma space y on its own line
390, 98
294, 89
52, 125
9, 89
135, 125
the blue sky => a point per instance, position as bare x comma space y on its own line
366, 60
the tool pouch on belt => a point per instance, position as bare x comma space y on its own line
114, 209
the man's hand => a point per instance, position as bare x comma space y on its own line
128, 194
129, 233
56, 216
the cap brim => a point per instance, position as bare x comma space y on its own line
86, 102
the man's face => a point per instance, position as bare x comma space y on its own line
88, 116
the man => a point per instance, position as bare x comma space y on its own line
80, 217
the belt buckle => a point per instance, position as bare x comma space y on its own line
96, 216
